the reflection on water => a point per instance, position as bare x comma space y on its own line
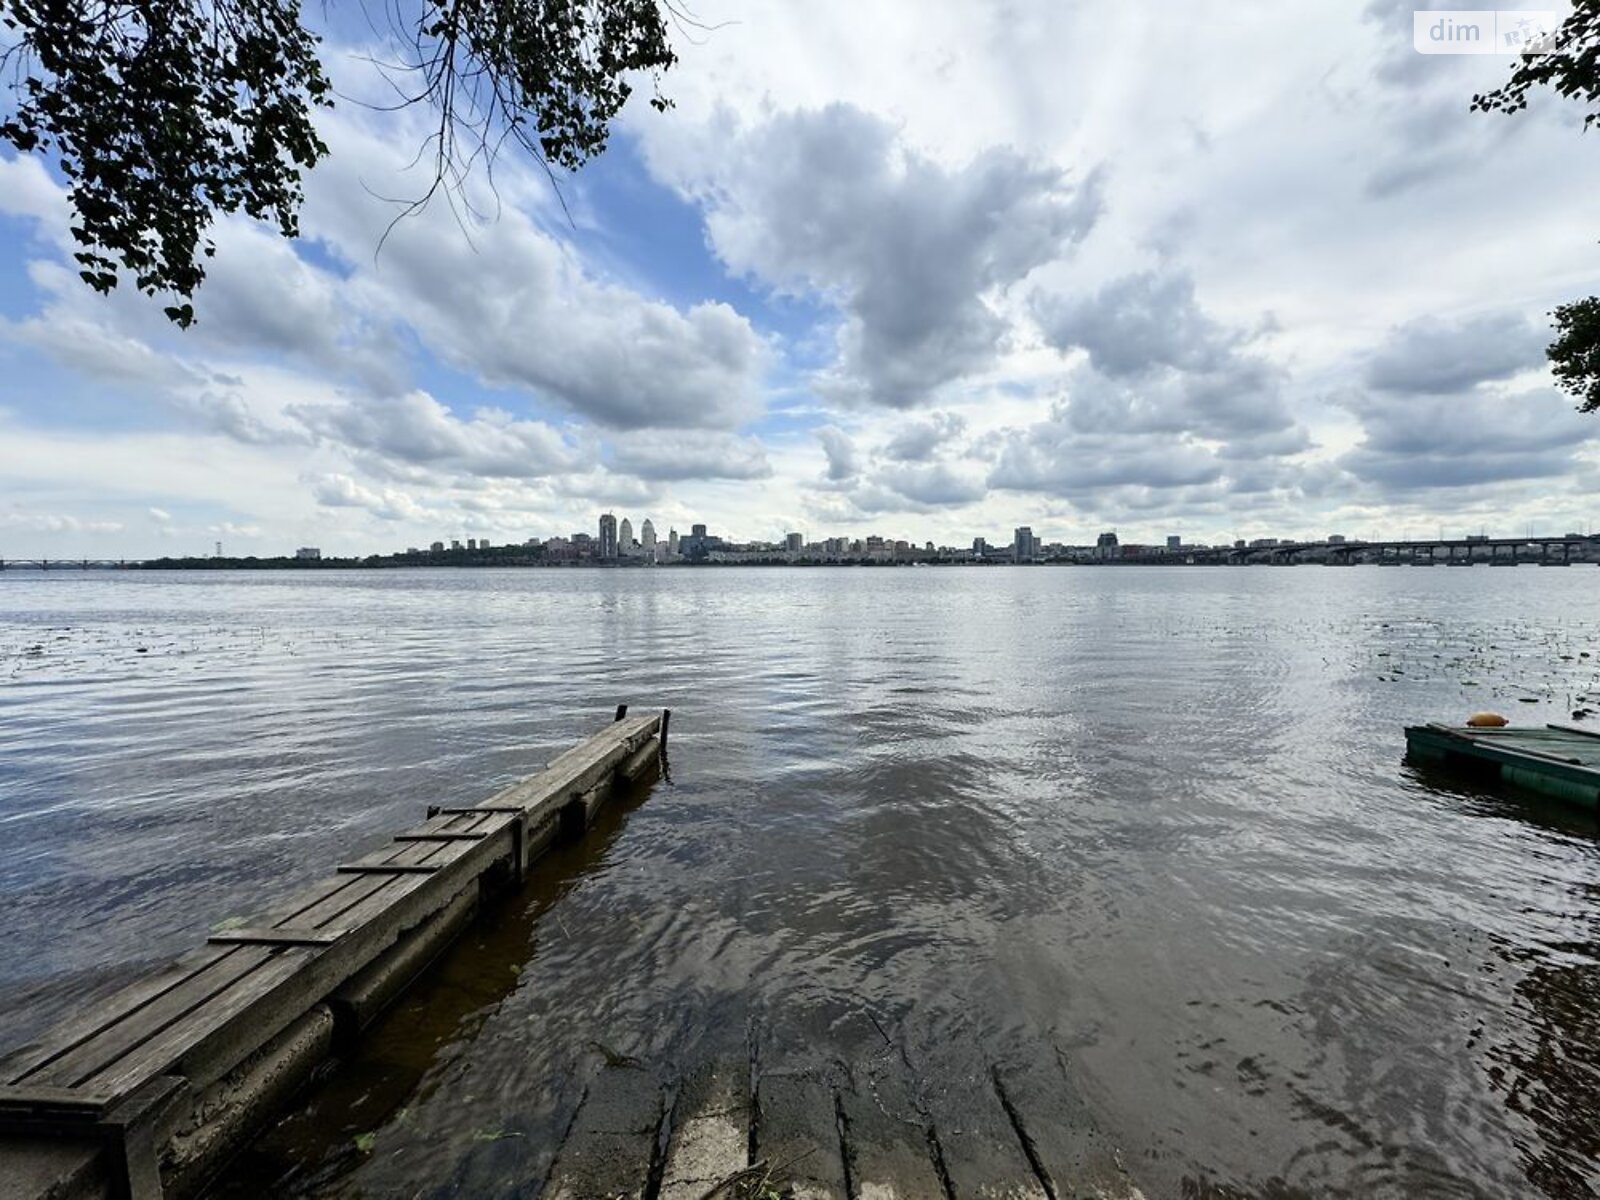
1153, 821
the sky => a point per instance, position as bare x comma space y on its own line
925, 270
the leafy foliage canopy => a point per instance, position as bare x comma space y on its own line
163, 113
1573, 72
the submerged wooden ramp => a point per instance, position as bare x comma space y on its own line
1559, 760
148, 1093
867, 1131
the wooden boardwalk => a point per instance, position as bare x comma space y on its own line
871, 1131
147, 1093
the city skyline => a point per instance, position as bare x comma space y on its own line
607, 543
1158, 297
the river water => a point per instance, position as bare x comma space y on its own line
1153, 821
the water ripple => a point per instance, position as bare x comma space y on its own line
1155, 821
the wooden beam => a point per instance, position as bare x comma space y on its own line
247, 936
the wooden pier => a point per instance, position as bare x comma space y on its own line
147, 1094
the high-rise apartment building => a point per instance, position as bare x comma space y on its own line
1025, 546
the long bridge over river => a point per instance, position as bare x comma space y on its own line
68, 564
1424, 552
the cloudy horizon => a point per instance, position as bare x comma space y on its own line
928, 272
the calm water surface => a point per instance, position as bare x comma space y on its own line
1153, 821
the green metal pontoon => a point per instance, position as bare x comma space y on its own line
1558, 760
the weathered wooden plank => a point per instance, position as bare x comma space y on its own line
983, 1154
440, 821
46, 1102
251, 936
610, 1147
398, 887
327, 907
797, 1136
291, 909
167, 1048
888, 1144
77, 1029
222, 1118
87, 1059
567, 769
578, 769
596, 776
710, 1139
388, 862
362, 996
440, 837
578, 813
337, 902
313, 905
1061, 1134
646, 758
629, 729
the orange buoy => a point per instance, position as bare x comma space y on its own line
1487, 720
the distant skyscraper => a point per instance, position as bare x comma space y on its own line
793, 543
647, 538
608, 536
1174, 542
979, 547
625, 537
672, 543
1105, 546
1026, 547
698, 544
